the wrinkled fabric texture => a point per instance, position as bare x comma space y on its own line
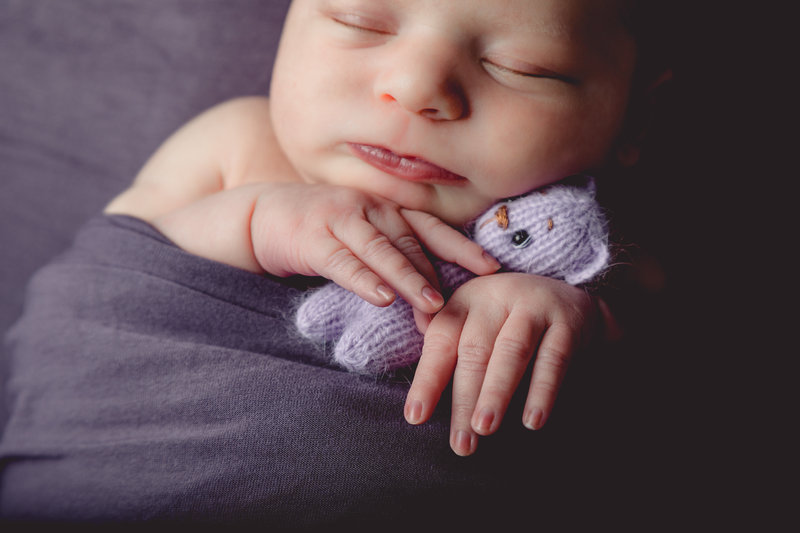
147, 383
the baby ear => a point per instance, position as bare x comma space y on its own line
639, 120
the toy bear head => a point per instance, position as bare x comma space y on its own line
558, 231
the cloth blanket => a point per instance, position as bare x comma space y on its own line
149, 384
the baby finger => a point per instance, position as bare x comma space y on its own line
336, 262
435, 368
449, 244
384, 257
512, 353
475, 349
549, 368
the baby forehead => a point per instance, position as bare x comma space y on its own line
558, 18
578, 22
555, 17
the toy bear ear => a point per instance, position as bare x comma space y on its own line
583, 182
593, 265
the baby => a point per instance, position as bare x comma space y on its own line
389, 124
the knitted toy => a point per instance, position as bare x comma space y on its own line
557, 231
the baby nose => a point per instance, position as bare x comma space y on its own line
423, 83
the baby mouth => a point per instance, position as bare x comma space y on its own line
404, 166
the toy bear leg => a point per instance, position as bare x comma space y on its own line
380, 341
325, 312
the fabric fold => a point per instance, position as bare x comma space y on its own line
147, 383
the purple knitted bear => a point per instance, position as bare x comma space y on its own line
557, 231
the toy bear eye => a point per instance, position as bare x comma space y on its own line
521, 239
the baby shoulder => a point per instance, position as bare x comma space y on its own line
225, 146
252, 152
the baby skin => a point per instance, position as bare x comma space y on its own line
389, 124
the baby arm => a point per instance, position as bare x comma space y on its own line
365, 243
221, 188
485, 338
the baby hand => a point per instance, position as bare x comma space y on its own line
484, 339
365, 243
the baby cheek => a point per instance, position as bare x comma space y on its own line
514, 170
527, 156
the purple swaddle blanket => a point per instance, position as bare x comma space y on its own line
558, 231
146, 383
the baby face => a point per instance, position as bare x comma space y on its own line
448, 106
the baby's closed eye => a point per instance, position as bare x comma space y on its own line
507, 70
360, 18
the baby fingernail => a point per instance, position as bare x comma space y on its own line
432, 296
384, 292
533, 419
464, 443
491, 260
414, 412
484, 421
